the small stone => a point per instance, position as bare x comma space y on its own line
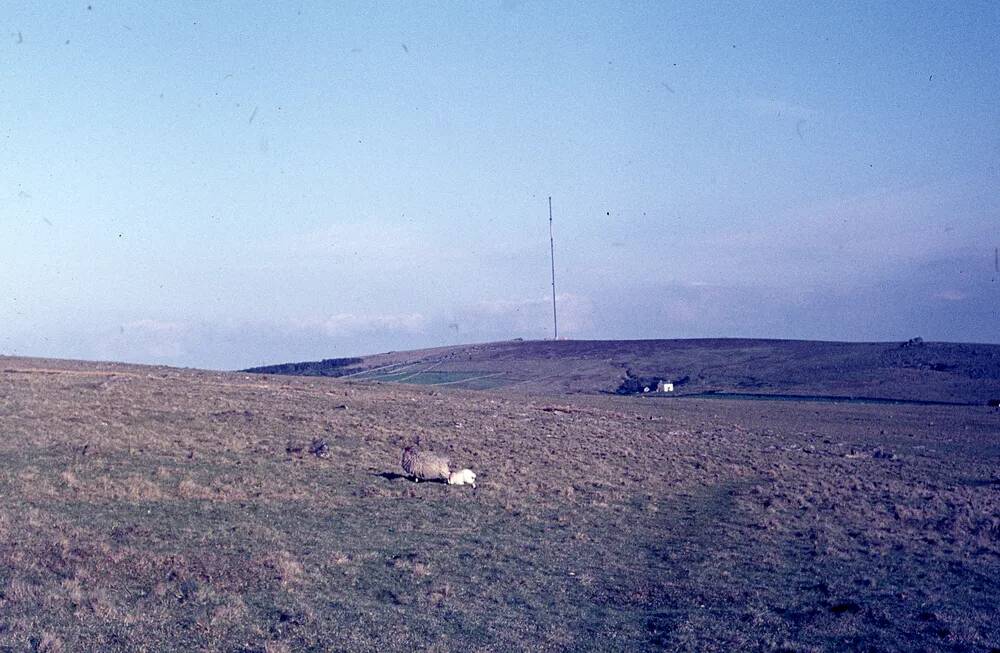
320, 448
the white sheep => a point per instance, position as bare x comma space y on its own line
425, 465
463, 477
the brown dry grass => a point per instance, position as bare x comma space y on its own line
157, 509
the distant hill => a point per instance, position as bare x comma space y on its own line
914, 370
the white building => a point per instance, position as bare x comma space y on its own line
664, 386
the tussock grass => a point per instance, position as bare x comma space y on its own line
154, 509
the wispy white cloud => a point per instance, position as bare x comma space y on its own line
946, 298
236, 343
148, 339
353, 323
848, 240
526, 317
151, 326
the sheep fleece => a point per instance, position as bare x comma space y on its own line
425, 465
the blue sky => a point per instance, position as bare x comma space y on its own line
227, 184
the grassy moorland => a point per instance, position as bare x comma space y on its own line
914, 370
164, 510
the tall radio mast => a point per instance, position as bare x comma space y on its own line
552, 252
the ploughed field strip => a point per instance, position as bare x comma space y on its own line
157, 509
424, 375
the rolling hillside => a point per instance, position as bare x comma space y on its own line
913, 370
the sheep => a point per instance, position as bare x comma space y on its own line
463, 477
425, 465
